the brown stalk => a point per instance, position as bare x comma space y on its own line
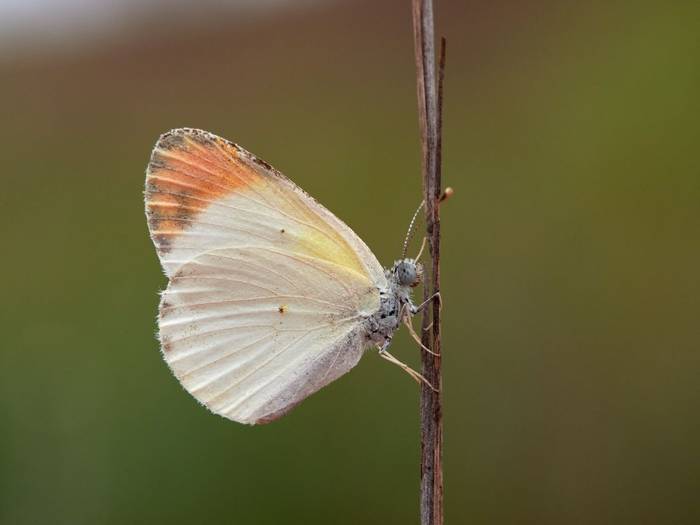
430, 121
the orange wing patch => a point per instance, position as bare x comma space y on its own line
188, 170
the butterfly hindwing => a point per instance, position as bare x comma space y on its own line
251, 331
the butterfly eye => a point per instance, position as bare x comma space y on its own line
407, 273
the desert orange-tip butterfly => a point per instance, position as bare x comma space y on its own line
270, 295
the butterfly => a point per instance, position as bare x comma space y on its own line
270, 296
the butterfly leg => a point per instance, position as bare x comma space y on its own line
409, 326
415, 375
406, 318
421, 307
420, 252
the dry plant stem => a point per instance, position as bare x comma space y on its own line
430, 120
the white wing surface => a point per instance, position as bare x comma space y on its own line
267, 289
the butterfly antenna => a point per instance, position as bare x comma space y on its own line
409, 233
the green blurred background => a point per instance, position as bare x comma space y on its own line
570, 259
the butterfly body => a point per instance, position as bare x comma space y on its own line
395, 301
270, 296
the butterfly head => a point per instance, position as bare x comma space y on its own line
408, 272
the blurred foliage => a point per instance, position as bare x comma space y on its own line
571, 256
